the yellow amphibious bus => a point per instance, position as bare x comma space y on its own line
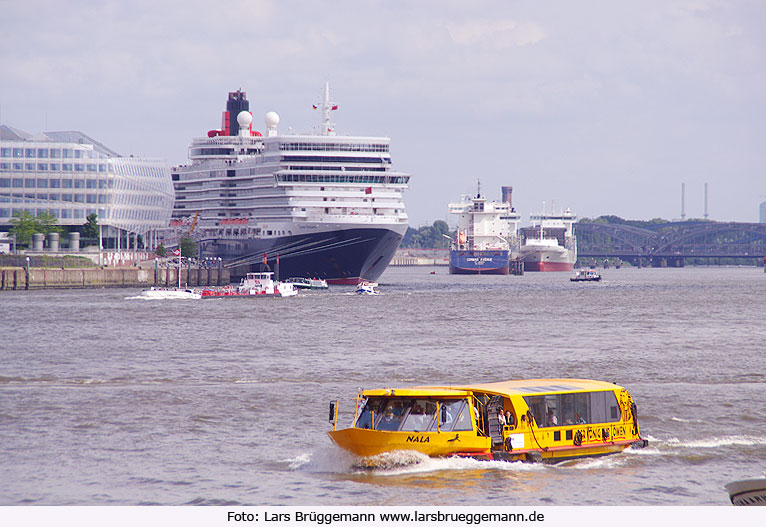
527, 420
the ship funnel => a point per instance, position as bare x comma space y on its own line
507, 194
237, 103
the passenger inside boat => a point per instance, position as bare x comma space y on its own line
414, 415
574, 408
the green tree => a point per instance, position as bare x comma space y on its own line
428, 237
161, 251
90, 227
188, 247
25, 225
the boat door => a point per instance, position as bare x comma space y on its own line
494, 406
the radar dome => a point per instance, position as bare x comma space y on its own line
244, 119
271, 119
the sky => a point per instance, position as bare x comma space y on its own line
599, 106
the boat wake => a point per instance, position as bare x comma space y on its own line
716, 442
403, 462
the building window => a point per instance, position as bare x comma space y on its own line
42, 152
29, 183
42, 183
18, 152
55, 153
30, 153
55, 183
66, 167
55, 167
42, 166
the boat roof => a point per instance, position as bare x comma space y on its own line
513, 387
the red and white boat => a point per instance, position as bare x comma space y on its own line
549, 244
254, 284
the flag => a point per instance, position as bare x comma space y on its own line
314, 106
264, 258
334, 107
368, 190
177, 252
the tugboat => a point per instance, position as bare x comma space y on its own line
586, 275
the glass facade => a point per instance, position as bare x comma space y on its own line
71, 179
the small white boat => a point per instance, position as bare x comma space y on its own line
747, 491
586, 275
160, 293
307, 283
367, 288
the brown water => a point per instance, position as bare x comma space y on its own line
111, 400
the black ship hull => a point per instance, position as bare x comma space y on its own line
339, 257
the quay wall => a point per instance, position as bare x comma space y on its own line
15, 278
413, 257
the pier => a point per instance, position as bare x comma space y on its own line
25, 278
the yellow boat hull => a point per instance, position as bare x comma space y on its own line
365, 443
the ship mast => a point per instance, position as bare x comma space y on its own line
326, 106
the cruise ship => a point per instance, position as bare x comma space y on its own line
316, 205
549, 244
486, 238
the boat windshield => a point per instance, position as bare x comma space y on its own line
414, 415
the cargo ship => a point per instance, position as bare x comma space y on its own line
315, 205
486, 239
549, 244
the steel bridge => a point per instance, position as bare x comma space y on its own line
671, 243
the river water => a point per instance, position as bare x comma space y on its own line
107, 399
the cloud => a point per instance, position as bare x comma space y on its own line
495, 34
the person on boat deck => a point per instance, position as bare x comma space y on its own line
579, 420
501, 417
509, 419
551, 420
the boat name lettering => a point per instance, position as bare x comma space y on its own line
417, 439
479, 259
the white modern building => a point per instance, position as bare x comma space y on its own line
71, 176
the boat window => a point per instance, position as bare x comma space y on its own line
574, 408
366, 409
453, 416
391, 417
420, 416
604, 407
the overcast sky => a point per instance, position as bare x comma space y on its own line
604, 107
